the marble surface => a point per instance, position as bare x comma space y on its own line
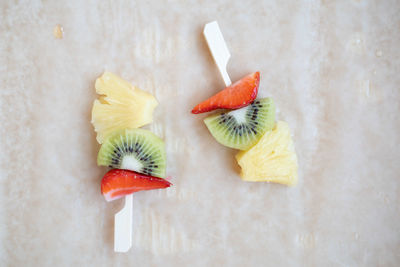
331, 66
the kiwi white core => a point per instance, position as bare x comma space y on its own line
129, 162
239, 115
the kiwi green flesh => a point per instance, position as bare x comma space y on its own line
242, 128
134, 149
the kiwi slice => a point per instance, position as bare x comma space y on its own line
242, 128
134, 149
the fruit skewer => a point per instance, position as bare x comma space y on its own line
137, 156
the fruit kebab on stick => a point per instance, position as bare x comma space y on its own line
137, 156
246, 123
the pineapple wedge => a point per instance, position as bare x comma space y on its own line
272, 159
120, 106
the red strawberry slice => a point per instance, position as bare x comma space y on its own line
235, 96
119, 183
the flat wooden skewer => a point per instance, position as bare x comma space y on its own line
218, 48
123, 227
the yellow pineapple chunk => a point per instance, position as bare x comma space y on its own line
120, 106
272, 159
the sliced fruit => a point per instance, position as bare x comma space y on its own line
136, 150
235, 96
119, 183
242, 128
272, 159
120, 106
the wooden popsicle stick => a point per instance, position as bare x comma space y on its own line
123, 227
218, 48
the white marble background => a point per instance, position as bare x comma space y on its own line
331, 66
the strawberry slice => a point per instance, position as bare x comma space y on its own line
118, 183
235, 96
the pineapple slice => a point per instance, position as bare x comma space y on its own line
272, 159
120, 106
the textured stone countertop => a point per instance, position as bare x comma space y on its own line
332, 68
